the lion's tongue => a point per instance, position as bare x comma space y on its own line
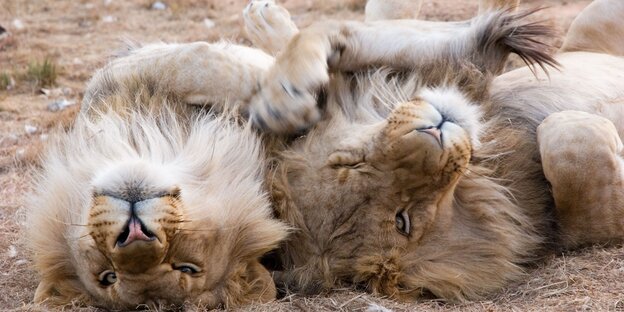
136, 233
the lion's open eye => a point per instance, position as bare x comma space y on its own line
107, 278
187, 268
402, 222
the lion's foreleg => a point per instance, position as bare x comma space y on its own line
286, 100
581, 157
214, 74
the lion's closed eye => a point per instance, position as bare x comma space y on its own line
346, 159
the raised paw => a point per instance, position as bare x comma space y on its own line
268, 25
286, 101
283, 108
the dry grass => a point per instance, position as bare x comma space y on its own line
80, 35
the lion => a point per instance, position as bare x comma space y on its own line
410, 166
150, 201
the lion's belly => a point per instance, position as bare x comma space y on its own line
588, 82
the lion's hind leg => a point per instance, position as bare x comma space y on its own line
268, 26
392, 9
582, 161
598, 28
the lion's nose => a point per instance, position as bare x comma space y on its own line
137, 248
435, 132
134, 230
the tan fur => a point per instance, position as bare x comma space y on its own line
434, 48
392, 9
195, 181
597, 29
587, 183
480, 208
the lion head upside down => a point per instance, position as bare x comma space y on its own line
148, 201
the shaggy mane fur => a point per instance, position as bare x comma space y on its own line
212, 160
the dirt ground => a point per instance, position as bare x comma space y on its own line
80, 35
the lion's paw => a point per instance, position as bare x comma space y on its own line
268, 25
281, 107
574, 128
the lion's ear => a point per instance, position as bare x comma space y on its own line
60, 292
250, 282
258, 238
261, 285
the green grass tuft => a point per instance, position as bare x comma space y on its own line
43, 74
5, 80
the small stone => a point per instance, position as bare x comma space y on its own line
109, 19
9, 140
377, 308
21, 262
60, 105
30, 129
209, 23
159, 6
18, 24
12, 252
108, 2
56, 92
43, 137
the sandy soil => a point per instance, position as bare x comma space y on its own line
79, 35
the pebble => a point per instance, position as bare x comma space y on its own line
12, 252
109, 19
60, 105
21, 262
18, 24
209, 23
30, 129
159, 6
9, 140
56, 91
377, 308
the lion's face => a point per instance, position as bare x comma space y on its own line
168, 225
366, 186
143, 245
